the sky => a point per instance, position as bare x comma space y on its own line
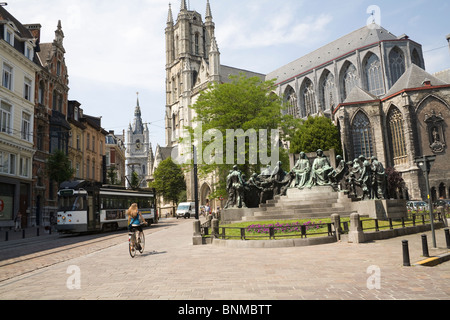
115, 49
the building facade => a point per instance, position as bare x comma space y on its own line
18, 49
115, 159
374, 86
51, 126
139, 154
192, 63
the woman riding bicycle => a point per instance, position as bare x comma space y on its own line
135, 218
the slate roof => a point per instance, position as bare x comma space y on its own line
347, 44
226, 71
413, 78
358, 95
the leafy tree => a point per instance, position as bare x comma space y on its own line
246, 103
112, 172
135, 182
169, 181
58, 167
316, 133
395, 184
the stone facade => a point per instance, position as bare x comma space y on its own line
139, 154
192, 62
375, 88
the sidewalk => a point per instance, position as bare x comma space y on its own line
25, 233
173, 268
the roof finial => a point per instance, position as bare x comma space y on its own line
208, 10
170, 16
183, 5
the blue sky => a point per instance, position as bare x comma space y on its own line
117, 48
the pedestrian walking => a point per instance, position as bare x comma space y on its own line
18, 221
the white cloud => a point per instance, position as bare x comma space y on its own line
254, 28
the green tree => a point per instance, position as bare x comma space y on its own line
246, 103
58, 167
169, 181
316, 133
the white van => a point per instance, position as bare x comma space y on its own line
186, 210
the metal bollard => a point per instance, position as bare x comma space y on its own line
406, 261
425, 246
447, 237
6, 236
23, 233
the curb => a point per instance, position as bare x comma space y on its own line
434, 261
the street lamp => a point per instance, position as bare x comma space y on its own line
425, 163
195, 181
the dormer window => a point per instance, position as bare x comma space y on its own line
29, 52
9, 35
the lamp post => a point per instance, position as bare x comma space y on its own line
195, 182
425, 163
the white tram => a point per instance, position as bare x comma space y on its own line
85, 206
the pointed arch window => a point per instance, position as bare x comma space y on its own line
349, 80
309, 98
290, 98
362, 136
374, 75
328, 92
415, 58
397, 136
397, 64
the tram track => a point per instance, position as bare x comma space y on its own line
21, 258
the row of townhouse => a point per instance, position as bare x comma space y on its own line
37, 119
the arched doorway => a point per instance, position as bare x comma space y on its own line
205, 192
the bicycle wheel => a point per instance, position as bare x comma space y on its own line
132, 245
141, 242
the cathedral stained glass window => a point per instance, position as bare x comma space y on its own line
350, 80
397, 64
328, 92
397, 136
374, 75
362, 136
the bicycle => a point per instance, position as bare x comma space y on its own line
136, 241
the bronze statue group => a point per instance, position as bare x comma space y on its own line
363, 178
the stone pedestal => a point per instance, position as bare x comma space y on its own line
236, 215
381, 209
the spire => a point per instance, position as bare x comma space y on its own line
183, 5
138, 127
137, 103
208, 11
170, 16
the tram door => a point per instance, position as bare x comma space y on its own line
94, 211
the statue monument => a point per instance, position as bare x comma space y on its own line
363, 181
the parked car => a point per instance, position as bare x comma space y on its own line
442, 203
417, 205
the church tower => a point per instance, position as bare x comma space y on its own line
139, 153
192, 61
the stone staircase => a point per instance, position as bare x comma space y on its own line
318, 202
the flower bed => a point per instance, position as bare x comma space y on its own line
285, 228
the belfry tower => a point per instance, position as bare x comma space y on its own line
139, 153
192, 61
